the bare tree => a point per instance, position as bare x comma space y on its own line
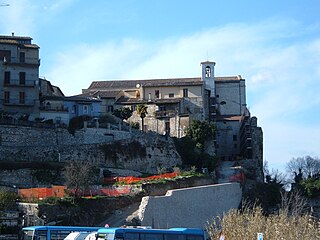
79, 175
308, 166
292, 203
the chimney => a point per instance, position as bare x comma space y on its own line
12, 34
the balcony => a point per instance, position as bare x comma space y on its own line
28, 62
19, 102
165, 114
54, 109
19, 83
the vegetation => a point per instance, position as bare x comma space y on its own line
200, 132
248, 222
107, 118
306, 174
79, 175
8, 200
77, 123
142, 112
123, 113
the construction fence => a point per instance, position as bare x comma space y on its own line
112, 191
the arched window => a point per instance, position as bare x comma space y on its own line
208, 71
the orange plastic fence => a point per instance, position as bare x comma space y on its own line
129, 180
59, 191
54, 191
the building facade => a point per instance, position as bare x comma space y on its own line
19, 76
174, 103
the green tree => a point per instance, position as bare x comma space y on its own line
77, 123
142, 112
200, 131
123, 113
8, 200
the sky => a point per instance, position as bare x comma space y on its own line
274, 45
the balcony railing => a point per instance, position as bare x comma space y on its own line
19, 83
164, 114
19, 102
54, 109
28, 62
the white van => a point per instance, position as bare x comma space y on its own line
77, 236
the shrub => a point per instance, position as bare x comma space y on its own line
247, 222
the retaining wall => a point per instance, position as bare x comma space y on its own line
189, 207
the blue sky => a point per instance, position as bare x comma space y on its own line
274, 45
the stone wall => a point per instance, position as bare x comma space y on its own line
189, 207
107, 148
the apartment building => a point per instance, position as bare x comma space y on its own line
19, 76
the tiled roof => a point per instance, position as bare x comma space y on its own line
229, 118
102, 94
228, 79
81, 98
131, 84
15, 42
126, 100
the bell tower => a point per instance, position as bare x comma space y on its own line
208, 76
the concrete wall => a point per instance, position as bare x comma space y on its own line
189, 207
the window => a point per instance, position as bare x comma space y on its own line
85, 109
162, 108
133, 108
185, 92
22, 78
132, 236
22, 57
151, 236
22, 98
171, 95
157, 93
6, 77
109, 108
234, 137
6, 97
74, 108
5, 56
235, 146
208, 72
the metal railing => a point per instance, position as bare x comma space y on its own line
19, 83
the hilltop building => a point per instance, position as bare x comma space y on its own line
174, 103
19, 75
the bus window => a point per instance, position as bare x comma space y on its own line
194, 237
59, 234
174, 237
41, 234
105, 236
151, 236
101, 236
132, 236
27, 235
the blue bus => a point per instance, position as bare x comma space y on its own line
52, 232
150, 234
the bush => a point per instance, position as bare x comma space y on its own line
8, 200
311, 187
246, 223
77, 123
